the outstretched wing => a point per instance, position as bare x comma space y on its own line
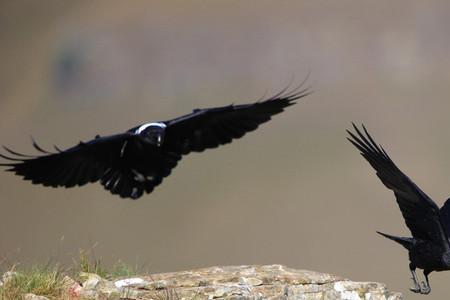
83, 163
98, 159
421, 214
212, 127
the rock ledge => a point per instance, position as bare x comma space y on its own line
232, 282
250, 282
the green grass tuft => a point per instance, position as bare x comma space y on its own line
39, 280
47, 280
89, 264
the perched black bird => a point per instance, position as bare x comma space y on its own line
429, 248
136, 161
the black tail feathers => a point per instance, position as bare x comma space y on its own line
404, 241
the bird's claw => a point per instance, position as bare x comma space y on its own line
425, 289
421, 289
416, 288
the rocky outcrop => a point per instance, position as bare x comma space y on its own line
235, 282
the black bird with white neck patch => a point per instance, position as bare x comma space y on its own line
132, 163
429, 247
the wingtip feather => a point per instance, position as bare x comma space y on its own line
39, 148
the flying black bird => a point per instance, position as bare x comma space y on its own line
136, 161
429, 248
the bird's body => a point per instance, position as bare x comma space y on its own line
429, 256
429, 246
132, 163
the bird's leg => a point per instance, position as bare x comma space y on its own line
425, 289
416, 288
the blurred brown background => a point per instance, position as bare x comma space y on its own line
294, 192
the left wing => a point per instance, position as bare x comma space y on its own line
212, 127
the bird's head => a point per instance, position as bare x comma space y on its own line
153, 133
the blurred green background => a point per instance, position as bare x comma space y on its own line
294, 192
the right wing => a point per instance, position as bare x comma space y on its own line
421, 214
83, 163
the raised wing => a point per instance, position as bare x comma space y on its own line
421, 214
103, 158
212, 127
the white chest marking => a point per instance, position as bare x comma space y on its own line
145, 126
